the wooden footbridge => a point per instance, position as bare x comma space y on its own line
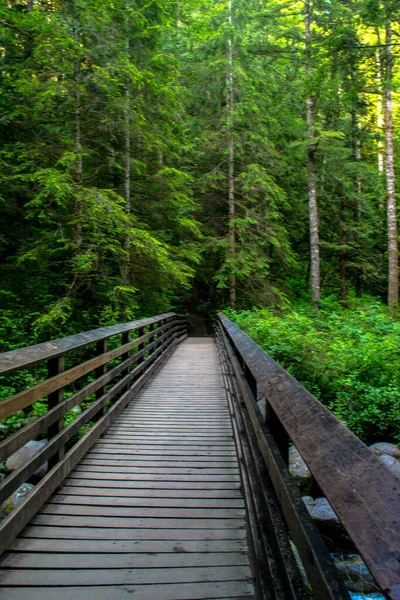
171, 485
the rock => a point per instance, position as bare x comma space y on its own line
392, 463
384, 448
15, 499
261, 406
321, 511
357, 596
299, 470
356, 575
21, 456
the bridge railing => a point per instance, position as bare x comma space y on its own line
364, 494
80, 369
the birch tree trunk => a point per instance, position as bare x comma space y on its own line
312, 190
231, 167
393, 287
127, 154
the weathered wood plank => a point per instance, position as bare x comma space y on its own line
146, 502
183, 591
103, 532
31, 560
107, 577
128, 547
149, 494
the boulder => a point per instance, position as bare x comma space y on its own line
15, 499
384, 448
299, 470
392, 463
321, 511
21, 456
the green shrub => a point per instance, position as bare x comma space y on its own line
349, 358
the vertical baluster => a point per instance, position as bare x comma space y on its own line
54, 367
101, 348
125, 339
141, 346
151, 339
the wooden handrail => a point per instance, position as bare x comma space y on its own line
364, 494
31, 355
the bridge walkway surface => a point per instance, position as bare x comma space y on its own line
154, 510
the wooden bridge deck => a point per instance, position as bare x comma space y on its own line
154, 510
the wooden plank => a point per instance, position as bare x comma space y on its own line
30, 560
139, 512
101, 532
145, 442
159, 472
135, 522
183, 591
150, 484
128, 546
170, 465
148, 494
146, 502
156, 454
107, 577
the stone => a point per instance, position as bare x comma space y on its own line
321, 511
15, 499
357, 596
356, 576
21, 456
299, 470
384, 448
392, 463
261, 406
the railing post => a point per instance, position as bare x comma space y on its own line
152, 326
125, 339
101, 348
141, 346
54, 367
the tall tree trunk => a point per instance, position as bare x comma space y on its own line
357, 203
77, 229
393, 291
344, 282
127, 154
379, 115
312, 190
231, 167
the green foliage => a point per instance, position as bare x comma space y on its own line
349, 358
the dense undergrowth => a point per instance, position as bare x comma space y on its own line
349, 358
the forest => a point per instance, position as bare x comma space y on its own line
196, 156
